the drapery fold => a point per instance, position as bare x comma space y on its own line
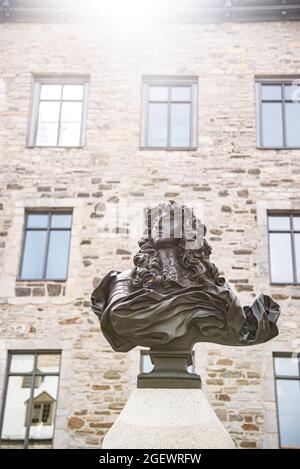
156, 318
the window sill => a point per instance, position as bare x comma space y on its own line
78, 147
282, 284
277, 148
43, 280
168, 148
40, 289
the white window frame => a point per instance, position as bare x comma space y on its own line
289, 214
33, 373
49, 212
38, 81
148, 81
271, 80
283, 377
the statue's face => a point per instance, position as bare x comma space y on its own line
170, 223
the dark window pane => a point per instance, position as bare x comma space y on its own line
286, 366
180, 125
272, 124
46, 413
34, 255
36, 413
61, 220
74, 92
58, 255
288, 397
293, 124
279, 223
271, 92
297, 255
157, 125
181, 93
158, 93
37, 220
50, 92
296, 223
15, 414
281, 258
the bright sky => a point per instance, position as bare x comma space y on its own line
127, 11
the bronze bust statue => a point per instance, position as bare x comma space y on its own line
174, 297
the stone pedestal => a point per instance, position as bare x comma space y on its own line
167, 419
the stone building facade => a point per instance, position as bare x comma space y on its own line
227, 175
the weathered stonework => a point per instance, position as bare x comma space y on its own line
228, 176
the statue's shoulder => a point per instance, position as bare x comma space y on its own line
123, 275
109, 280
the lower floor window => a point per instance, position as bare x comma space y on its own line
287, 380
30, 400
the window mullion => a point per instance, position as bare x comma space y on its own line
59, 116
283, 115
41, 413
30, 404
47, 246
191, 117
169, 120
147, 141
261, 135
36, 112
293, 250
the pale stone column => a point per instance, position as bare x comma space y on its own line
169, 419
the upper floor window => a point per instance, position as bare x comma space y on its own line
169, 117
29, 411
287, 377
284, 247
59, 110
46, 245
279, 113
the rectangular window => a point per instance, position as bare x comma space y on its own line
59, 112
284, 247
279, 113
46, 245
287, 382
169, 117
29, 410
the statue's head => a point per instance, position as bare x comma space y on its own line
173, 224
173, 230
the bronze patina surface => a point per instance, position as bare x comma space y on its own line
174, 297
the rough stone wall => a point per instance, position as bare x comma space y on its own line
228, 176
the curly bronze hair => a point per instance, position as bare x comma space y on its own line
147, 271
